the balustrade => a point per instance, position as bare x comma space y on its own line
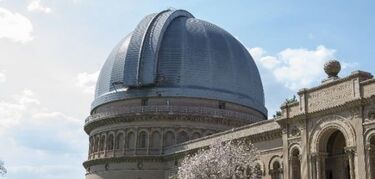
188, 110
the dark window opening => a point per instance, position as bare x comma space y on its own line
221, 105
144, 102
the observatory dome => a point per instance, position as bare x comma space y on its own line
174, 54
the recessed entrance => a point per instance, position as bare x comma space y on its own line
335, 164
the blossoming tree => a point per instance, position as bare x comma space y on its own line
222, 160
3, 170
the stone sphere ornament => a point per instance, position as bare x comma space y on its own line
332, 68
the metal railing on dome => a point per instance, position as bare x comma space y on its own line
190, 110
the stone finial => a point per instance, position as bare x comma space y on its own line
332, 68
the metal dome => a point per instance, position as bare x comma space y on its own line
171, 53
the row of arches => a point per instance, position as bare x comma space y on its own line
275, 168
142, 142
333, 155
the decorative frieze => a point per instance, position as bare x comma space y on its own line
330, 96
368, 88
194, 114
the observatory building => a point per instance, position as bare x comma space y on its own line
177, 83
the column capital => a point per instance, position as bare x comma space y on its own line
369, 147
350, 150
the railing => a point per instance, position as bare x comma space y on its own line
123, 152
190, 110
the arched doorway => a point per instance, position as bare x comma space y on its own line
334, 162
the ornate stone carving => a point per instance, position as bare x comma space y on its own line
330, 96
294, 131
295, 140
371, 115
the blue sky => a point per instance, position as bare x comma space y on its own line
51, 51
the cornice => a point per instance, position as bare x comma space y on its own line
326, 111
138, 158
164, 117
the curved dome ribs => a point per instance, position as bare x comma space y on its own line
173, 54
141, 63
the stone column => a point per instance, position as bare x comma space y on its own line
320, 163
323, 165
318, 167
291, 167
162, 141
136, 141
313, 166
285, 162
148, 142
368, 161
300, 166
105, 145
351, 154
90, 148
280, 172
124, 146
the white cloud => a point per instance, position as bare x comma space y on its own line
37, 6
268, 62
2, 77
26, 108
28, 127
15, 26
295, 68
78, 1
11, 112
86, 81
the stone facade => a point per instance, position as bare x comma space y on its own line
329, 132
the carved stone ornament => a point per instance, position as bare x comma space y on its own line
140, 165
332, 68
294, 131
371, 115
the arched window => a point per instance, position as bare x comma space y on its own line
276, 172
102, 143
169, 138
97, 143
196, 135
130, 141
295, 164
182, 137
142, 140
110, 142
119, 141
155, 141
